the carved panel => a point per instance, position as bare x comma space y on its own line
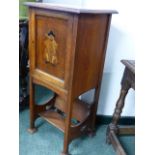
53, 36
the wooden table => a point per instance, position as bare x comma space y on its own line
128, 81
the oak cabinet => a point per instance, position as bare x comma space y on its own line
67, 47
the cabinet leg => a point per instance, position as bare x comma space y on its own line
66, 144
65, 151
91, 133
67, 136
32, 128
94, 110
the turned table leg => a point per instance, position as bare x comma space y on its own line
113, 130
117, 113
119, 106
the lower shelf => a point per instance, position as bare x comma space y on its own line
57, 115
54, 118
57, 119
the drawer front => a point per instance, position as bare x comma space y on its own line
52, 37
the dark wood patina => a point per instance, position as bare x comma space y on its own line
128, 81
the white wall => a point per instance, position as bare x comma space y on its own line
120, 46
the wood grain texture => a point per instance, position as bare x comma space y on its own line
81, 38
55, 119
89, 51
69, 8
61, 25
81, 110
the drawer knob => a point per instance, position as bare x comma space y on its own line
50, 50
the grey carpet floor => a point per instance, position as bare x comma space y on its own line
49, 141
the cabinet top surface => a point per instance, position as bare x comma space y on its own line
69, 8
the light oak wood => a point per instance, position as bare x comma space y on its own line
77, 49
55, 119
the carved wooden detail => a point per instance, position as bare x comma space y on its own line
128, 81
51, 49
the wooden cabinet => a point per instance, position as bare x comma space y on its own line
67, 49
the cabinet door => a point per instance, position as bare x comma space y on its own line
50, 45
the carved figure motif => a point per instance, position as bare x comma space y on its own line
51, 49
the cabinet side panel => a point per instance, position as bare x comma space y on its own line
90, 51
